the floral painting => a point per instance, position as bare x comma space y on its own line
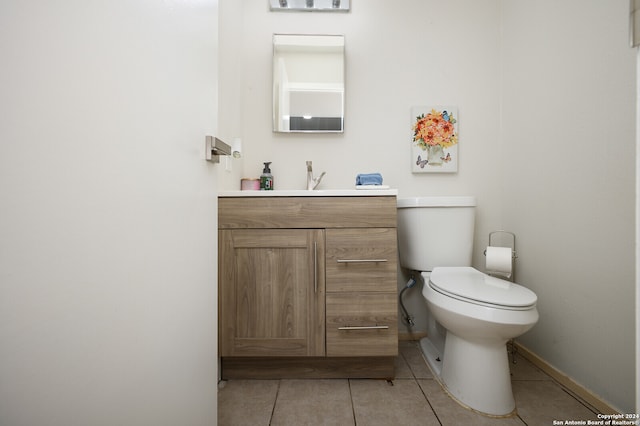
435, 139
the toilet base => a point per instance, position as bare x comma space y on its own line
432, 355
477, 374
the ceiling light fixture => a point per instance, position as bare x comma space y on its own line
310, 5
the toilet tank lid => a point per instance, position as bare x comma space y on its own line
453, 201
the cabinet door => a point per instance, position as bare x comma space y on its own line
272, 290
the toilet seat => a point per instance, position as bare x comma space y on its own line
472, 286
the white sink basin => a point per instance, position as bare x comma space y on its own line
314, 193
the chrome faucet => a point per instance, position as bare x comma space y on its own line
312, 183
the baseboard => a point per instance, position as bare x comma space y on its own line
578, 390
308, 368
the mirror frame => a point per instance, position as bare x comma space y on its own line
324, 92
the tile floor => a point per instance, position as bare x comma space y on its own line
413, 398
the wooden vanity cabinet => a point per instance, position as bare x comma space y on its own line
307, 286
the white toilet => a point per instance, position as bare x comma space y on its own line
471, 315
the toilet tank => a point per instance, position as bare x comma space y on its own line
435, 231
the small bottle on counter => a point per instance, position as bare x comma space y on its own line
266, 178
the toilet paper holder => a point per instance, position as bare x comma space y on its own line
512, 236
511, 348
513, 242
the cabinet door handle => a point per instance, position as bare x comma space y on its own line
361, 260
315, 267
365, 327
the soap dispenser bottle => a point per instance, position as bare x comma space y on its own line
266, 178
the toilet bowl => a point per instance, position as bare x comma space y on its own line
480, 314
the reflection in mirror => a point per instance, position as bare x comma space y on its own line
308, 83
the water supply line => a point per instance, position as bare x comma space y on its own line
408, 319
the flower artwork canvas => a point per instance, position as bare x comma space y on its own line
434, 147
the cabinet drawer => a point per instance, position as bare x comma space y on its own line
307, 212
361, 324
361, 259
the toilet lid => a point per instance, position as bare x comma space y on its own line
476, 287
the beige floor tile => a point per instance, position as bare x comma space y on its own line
541, 402
313, 402
327, 389
402, 369
378, 403
246, 402
413, 355
450, 413
404, 344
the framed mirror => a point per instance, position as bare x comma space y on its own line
308, 83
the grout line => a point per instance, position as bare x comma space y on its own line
428, 402
577, 398
353, 406
409, 364
415, 379
275, 401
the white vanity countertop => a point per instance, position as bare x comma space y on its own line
314, 193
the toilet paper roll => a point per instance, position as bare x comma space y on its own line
499, 261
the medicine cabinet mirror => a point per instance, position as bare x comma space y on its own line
308, 83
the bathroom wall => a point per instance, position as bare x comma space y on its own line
398, 55
231, 70
430, 53
637, 273
568, 131
536, 104
108, 240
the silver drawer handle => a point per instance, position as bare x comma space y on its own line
361, 260
365, 327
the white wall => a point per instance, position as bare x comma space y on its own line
108, 241
568, 128
432, 53
429, 53
571, 204
230, 112
637, 234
